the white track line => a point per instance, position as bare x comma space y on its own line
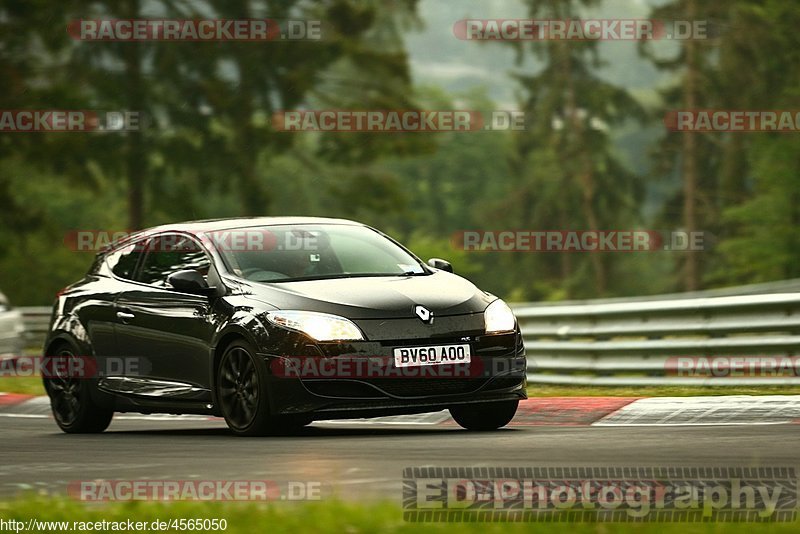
730, 410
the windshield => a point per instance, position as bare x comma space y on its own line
307, 252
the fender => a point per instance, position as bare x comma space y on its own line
69, 328
242, 324
245, 324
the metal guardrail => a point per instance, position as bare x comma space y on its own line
634, 342
781, 286
37, 320
645, 342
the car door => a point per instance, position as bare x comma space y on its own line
98, 313
168, 331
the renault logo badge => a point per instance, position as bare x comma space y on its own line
425, 315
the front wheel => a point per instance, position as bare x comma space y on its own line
486, 416
71, 400
242, 394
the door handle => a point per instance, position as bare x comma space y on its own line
125, 316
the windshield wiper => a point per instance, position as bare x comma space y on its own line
342, 275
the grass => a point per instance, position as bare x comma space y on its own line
330, 516
28, 385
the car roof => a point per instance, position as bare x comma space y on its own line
231, 223
211, 225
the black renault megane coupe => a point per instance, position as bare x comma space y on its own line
273, 323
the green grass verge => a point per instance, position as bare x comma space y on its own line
28, 385
330, 516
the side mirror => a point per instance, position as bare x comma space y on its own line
188, 281
442, 265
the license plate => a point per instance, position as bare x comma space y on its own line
431, 355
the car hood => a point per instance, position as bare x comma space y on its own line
375, 297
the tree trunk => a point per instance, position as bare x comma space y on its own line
255, 200
585, 178
135, 165
691, 265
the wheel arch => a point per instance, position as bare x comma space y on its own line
63, 337
241, 327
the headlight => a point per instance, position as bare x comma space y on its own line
320, 326
498, 317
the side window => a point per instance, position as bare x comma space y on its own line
169, 253
123, 262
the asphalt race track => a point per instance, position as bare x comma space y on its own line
364, 460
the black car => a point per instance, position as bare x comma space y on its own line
272, 323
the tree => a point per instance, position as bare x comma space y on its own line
694, 157
568, 172
758, 60
207, 104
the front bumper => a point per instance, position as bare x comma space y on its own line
360, 379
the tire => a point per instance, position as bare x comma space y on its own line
71, 400
241, 391
483, 417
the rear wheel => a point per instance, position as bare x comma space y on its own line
71, 401
486, 416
